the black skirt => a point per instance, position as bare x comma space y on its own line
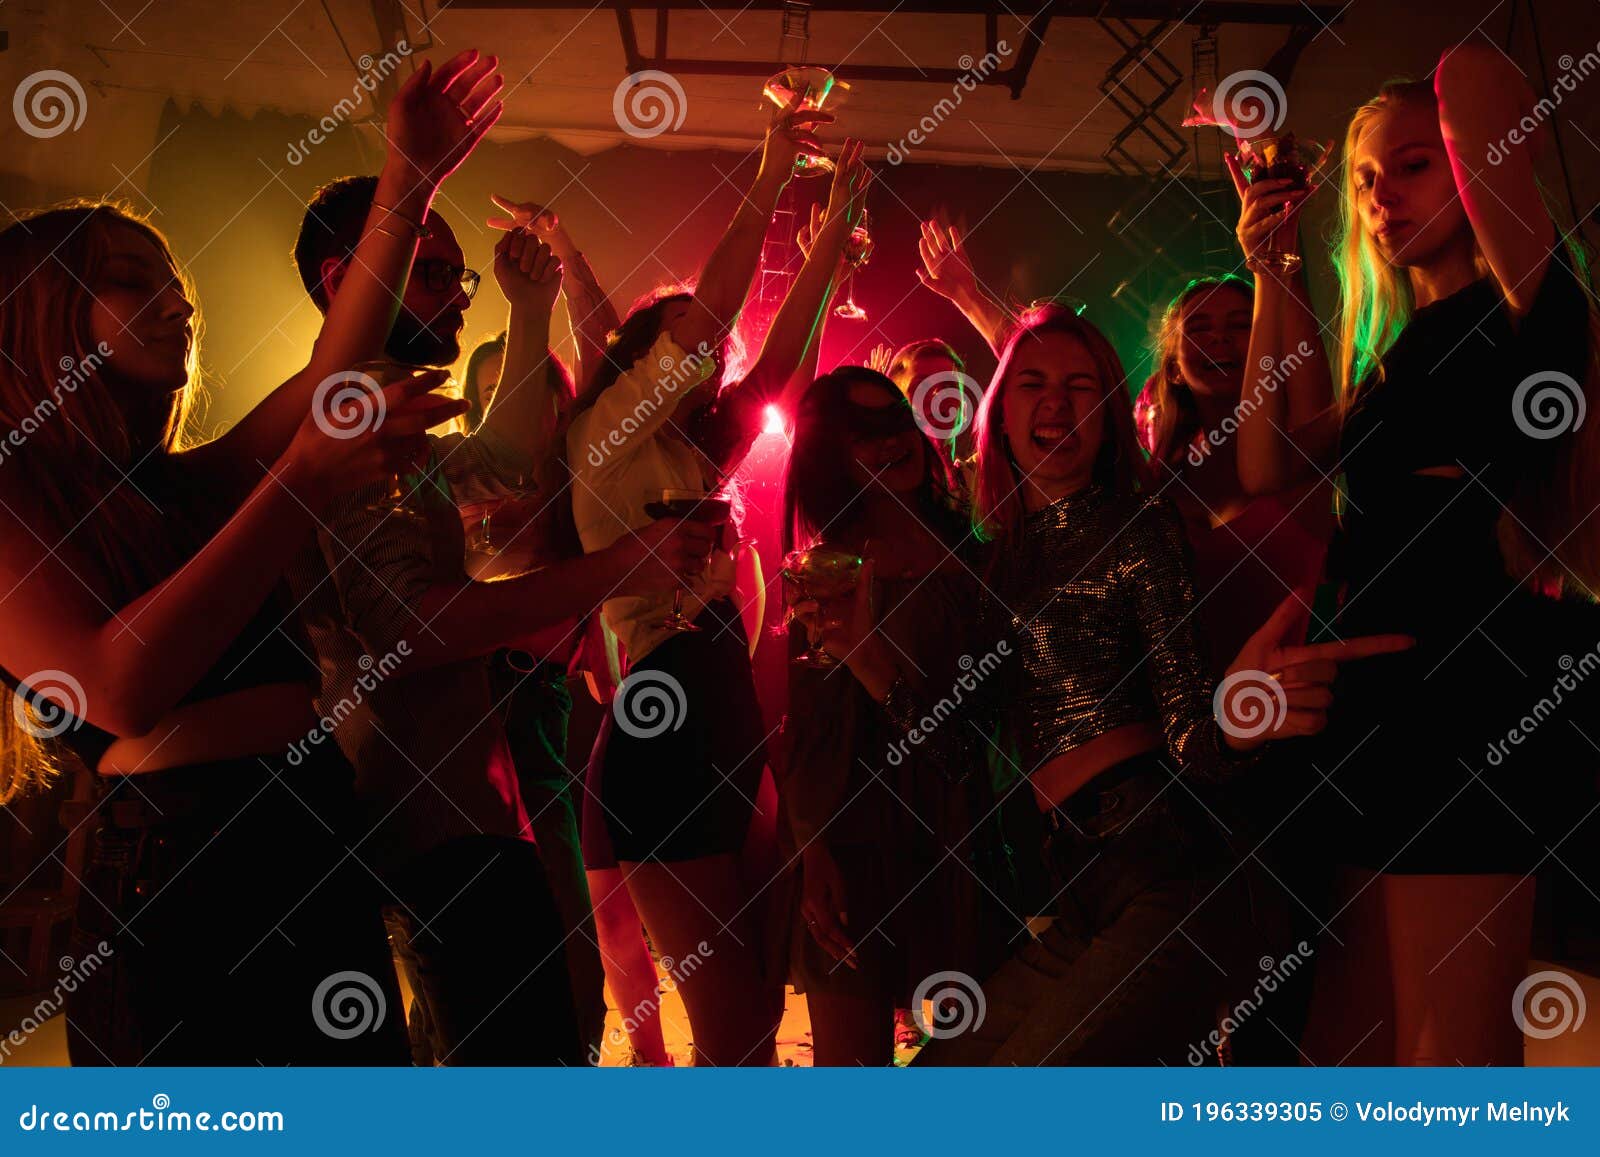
680, 753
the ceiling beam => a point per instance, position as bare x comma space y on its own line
1204, 12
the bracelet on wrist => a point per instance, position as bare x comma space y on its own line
418, 230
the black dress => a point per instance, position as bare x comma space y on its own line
1426, 778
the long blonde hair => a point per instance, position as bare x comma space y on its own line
1376, 304
69, 445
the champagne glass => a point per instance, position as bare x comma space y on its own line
701, 506
817, 86
816, 574
398, 500
857, 252
479, 517
1274, 158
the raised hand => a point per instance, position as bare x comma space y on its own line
1295, 677
1266, 207
527, 270
440, 114
848, 194
881, 358
946, 268
534, 218
790, 132
807, 237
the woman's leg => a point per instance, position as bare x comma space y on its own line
629, 970
699, 914
1459, 946
1352, 1003
849, 1030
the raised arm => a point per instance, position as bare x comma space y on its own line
1289, 429
435, 121
589, 308
522, 416
137, 661
724, 282
1483, 100
947, 270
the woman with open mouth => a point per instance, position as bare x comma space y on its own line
1110, 702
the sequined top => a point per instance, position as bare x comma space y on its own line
1094, 603
1099, 594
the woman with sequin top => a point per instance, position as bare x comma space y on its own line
1111, 706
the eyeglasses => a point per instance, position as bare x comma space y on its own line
438, 275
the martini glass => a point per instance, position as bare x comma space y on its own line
701, 506
816, 574
816, 86
1280, 157
857, 252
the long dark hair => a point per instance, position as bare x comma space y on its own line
819, 494
1165, 412
482, 352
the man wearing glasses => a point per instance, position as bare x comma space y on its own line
403, 639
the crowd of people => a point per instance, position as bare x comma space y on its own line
1134, 696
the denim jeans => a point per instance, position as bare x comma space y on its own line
1152, 926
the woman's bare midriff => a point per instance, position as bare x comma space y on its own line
1068, 773
256, 721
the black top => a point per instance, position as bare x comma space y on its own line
1420, 739
265, 652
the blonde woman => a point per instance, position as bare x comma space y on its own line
1466, 507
